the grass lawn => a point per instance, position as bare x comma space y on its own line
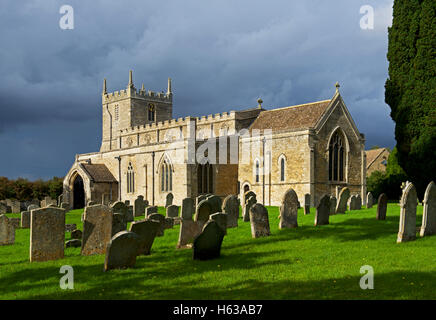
305, 263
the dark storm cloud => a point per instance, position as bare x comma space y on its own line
222, 55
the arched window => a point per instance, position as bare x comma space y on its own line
130, 179
257, 170
282, 167
151, 112
166, 176
336, 158
205, 178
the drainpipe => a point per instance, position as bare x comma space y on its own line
119, 177
263, 168
152, 170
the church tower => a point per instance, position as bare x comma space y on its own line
130, 108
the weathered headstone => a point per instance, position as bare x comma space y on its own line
221, 219
97, 229
150, 210
73, 243
172, 211
215, 203
127, 203
25, 219
207, 245
353, 203
47, 234
105, 199
231, 208
259, 221
147, 231
408, 203
306, 203
3, 208
118, 223
429, 211
161, 219
15, 206
358, 202
65, 205
199, 199
250, 201
139, 207
31, 207
189, 229
333, 202
16, 222
120, 207
70, 227
323, 211
76, 234
341, 206
187, 208
203, 211
369, 200
7, 231
169, 199
382, 206
122, 251
289, 210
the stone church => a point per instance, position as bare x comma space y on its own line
314, 148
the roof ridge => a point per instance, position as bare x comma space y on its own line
298, 105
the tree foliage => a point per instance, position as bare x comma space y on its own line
23, 189
410, 90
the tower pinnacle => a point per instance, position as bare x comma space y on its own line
130, 80
104, 86
169, 86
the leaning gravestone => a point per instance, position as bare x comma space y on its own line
172, 211
323, 211
333, 204
161, 219
408, 203
7, 231
139, 207
259, 221
25, 219
369, 200
306, 203
187, 208
207, 245
429, 212
118, 223
189, 229
289, 210
203, 211
231, 208
47, 234
147, 231
169, 199
150, 210
250, 201
120, 207
215, 203
341, 206
122, 251
97, 229
382, 206
221, 219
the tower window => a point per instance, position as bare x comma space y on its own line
130, 179
151, 112
117, 113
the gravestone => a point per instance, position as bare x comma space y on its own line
428, 226
203, 211
150, 210
172, 211
127, 203
65, 205
382, 206
15, 206
147, 231
105, 199
139, 207
199, 199
306, 203
231, 208
369, 200
333, 205
16, 222
91, 203
76, 234
118, 223
207, 245
344, 195
323, 211
47, 234
221, 219
189, 229
408, 204
120, 207
259, 221
248, 204
122, 251
3, 208
97, 229
73, 243
169, 199
358, 202
7, 231
353, 203
215, 203
25, 219
289, 210
168, 223
31, 207
70, 227
161, 219
187, 208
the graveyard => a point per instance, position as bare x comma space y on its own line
304, 262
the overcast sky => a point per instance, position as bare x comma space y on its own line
222, 55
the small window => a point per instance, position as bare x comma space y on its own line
257, 171
151, 112
117, 112
282, 169
130, 179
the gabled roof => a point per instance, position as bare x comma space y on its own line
99, 173
301, 116
372, 155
